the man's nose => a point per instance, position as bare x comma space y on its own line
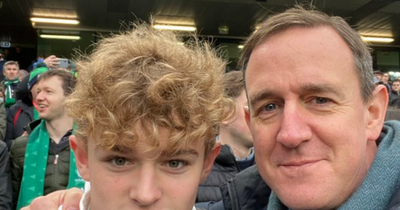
147, 190
294, 126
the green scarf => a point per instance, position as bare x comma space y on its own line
35, 164
382, 180
9, 97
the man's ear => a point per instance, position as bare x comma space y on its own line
209, 161
81, 156
376, 112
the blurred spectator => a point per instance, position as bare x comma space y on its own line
395, 90
386, 81
40, 59
378, 74
50, 162
22, 74
393, 111
2, 62
23, 111
10, 82
5, 179
236, 152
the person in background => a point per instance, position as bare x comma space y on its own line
236, 152
23, 111
395, 89
378, 74
10, 82
386, 81
3, 60
22, 74
42, 160
5, 178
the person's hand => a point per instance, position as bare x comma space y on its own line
51, 61
68, 198
25, 133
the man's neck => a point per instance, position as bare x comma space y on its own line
57, 128
239, 150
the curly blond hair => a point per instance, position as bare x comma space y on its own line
144, 76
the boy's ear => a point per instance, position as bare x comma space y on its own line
209, 161
81, 157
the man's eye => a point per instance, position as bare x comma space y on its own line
119, 161
270, 107
176, 164
320, 100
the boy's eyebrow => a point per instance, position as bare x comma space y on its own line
121, 149
170, 153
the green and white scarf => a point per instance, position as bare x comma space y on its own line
9, 98
35, 164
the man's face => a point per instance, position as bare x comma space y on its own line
11, 72
378, 76
50, 98
237, 126
309, 123
131, 178
385, 77
396, 86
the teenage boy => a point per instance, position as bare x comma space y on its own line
147, 112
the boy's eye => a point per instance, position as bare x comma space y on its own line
175, 164
119, 161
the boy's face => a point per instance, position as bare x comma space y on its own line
131, 178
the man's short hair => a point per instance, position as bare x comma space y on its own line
68, 81
233, 83
144, 77
11, 63
300, 17
378, 72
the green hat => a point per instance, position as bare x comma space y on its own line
34, 76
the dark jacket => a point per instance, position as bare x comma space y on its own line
5, 179
3, 122
15, 129
57, 172
225, 167
246, 191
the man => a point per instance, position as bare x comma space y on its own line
237, 145
395, 90
154, 117
386, 81
10, 82
23, 112
42, 162
316, 138
378, 74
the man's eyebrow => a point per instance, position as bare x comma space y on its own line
319, 88
170, 153
261, 96
303, 88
